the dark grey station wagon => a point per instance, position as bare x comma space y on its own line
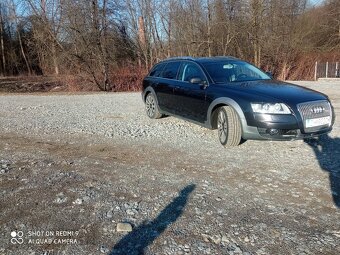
236, 98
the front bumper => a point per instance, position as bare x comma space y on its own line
280, 127
290, 134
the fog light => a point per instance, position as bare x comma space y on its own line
273, 131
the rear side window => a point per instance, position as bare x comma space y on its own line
157, 70
170, 70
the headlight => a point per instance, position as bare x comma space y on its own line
277, 108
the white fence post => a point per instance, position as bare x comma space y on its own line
316, 71
327, 69
336, 69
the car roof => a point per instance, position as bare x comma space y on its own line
201, 59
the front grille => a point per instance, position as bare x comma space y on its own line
315, 110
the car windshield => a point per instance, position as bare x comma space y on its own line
234, 71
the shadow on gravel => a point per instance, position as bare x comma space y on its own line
142, 236
327, 151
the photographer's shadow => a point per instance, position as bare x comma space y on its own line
143, 235
327, 151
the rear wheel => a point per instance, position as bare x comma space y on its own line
228, 126
151, 107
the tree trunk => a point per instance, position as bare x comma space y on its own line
23, 52
257, 8
142, 40
169, 38
104, 49
3, 59
209, 29
55, 60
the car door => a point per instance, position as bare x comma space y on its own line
165, 86
191, 98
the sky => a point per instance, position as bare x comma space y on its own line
316, 2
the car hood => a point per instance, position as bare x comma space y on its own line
280, 91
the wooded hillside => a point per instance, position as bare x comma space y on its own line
112, 43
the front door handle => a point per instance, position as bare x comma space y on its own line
176, 88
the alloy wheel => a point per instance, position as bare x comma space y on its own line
150, 105
222, 126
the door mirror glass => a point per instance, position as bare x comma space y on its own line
196, 80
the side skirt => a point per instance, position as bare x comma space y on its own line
205, 124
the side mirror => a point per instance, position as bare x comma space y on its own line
196, 81
270, 75
199, 81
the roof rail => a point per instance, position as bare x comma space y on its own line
179, 58
226, 57
197, 58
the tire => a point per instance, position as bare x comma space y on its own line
151, 107
228, 127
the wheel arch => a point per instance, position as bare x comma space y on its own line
147, 91
224, 101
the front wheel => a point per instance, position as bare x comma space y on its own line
229, 127
151, 107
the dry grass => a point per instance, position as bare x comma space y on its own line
29, 84
127, 78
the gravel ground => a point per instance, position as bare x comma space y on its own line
91, 174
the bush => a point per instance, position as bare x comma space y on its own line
127, 78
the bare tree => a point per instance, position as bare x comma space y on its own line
96, 38
18, 30
2, 45
46, 22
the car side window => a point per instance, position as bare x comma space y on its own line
190, 70
170, 70
157, 70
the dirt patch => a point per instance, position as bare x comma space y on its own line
30, 84
87, 186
